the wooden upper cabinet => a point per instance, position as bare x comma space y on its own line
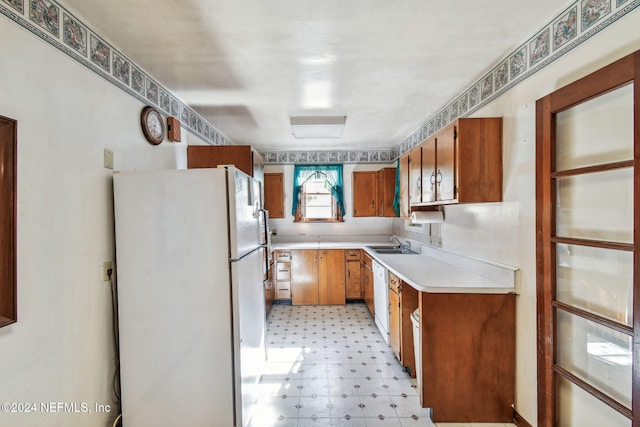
386, 183
274, 194
479, 160
373, 193
415, 175
244, 157
364, 193
429, 173
445, 171
404, 187
460, 164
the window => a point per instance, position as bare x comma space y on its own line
318, 193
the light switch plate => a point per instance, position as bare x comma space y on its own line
108, 159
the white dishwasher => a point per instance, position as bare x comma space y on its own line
381, 298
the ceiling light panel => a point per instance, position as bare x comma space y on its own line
312, 127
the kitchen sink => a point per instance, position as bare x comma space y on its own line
388, 250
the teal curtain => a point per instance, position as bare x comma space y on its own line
396, 194
333, 174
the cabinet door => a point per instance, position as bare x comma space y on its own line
274, 194
415, 175
210, 156
304, 277
386, 191
380, 193
404, 187
331, 279
394, 322
367, 283
354, 288
429, 177
446, 164
364, 194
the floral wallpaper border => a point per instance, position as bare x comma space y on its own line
574, 25
56, 25
355, 156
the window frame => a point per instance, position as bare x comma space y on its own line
336, 215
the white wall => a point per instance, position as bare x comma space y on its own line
287, 229
61, 348
505, 232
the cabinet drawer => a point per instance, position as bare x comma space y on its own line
283, 290
283, 256
395, 284
283, 271
352, 254
281, 286
283, 294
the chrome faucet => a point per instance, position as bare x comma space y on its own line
406, 246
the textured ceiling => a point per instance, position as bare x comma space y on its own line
247, 66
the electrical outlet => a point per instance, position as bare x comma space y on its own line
106, 266
108, 159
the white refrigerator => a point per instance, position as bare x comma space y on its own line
191, 303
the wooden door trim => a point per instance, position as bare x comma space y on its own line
595, 84
8, 221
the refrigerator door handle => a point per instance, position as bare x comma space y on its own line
257, 248
265, 229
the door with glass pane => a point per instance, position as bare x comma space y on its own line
587, 251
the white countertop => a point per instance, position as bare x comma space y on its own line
434, 270
428, 274
326, 245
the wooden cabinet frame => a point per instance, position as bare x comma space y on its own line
598, 83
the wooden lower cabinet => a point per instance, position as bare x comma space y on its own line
317, 276
367, 282
468, 357
353, 259
394, 317
353, 285
403, 300
331, 279
282, 265
304, 277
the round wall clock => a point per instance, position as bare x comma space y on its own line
152, 125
